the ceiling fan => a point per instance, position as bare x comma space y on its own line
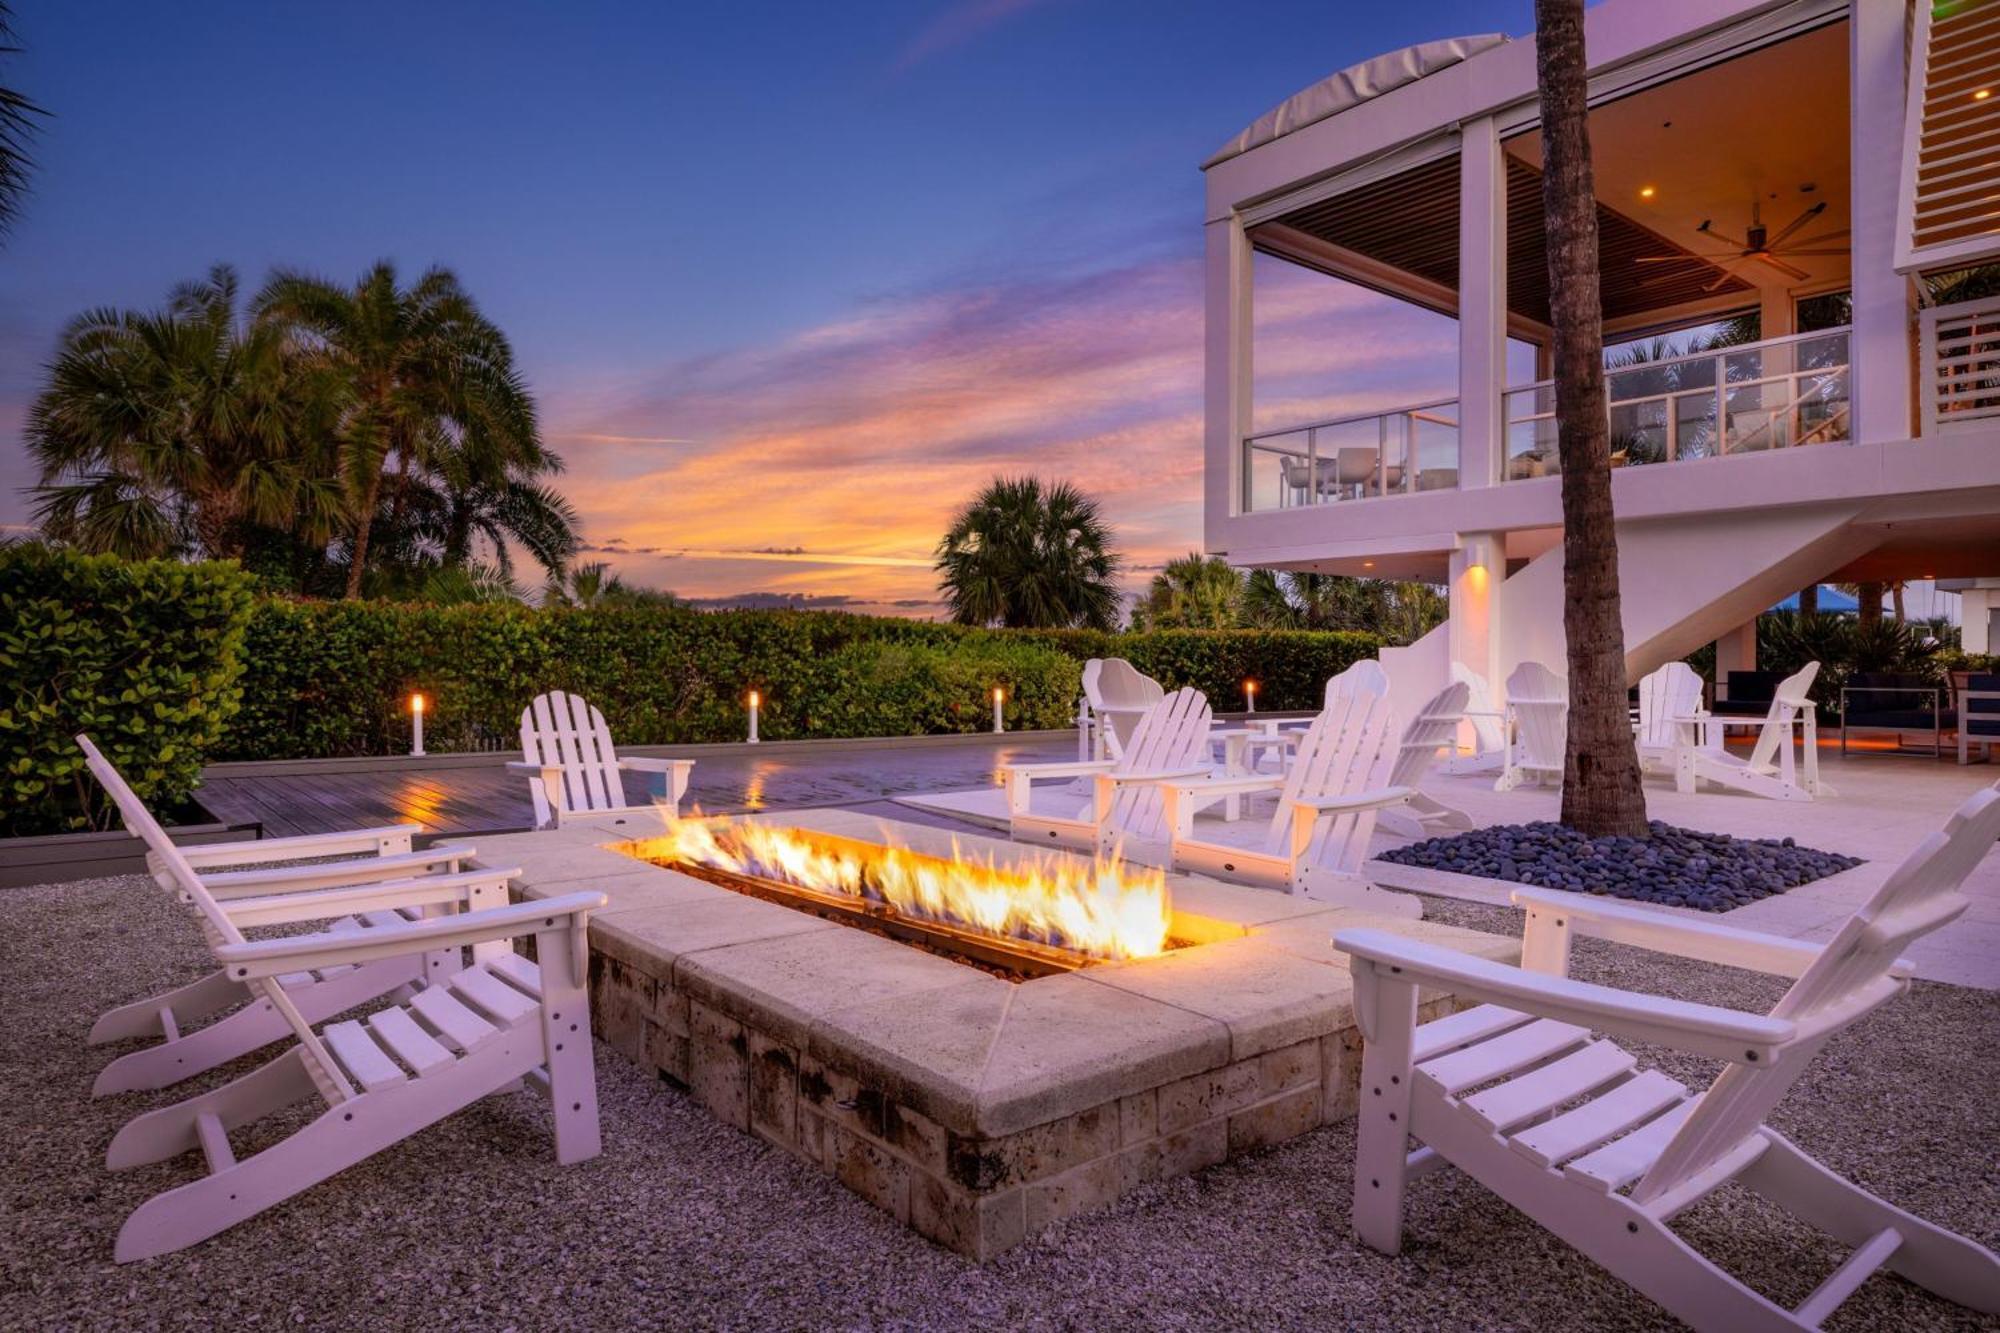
1759, 245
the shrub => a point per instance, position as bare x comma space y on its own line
332, 678
142, 655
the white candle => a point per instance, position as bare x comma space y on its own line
753, 717
417, 725
999, 724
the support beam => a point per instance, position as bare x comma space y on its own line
1482, 302
1227, 370
1478, 566
1881, 350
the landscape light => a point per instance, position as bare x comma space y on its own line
1250, 696
754, 700
417, 725
999, 694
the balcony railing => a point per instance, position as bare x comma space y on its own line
1353, 458
1749, 398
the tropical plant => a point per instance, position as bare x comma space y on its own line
595, 584
1028, 554
1601, 794
1193, 592
17, 126
1399, 612
430, 387
167, 433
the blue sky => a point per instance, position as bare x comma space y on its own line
790, 280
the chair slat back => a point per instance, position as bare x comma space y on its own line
1539, 700
1479, 700
1791, 697
216, 925
1113, 682
1672, 691
1850, 978
1172, 736
562, 729
1434, 726
1366, 676
1350, 748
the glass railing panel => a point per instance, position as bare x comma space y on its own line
1531, 432
1822, 414
1641, 432
1277, 471
1436, 445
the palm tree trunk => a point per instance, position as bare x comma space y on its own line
362, 523
1809, 600
1601, 794
1868, 604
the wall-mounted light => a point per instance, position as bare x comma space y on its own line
417, 725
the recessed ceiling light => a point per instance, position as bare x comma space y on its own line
1646, 192
1982, 94
1368, 564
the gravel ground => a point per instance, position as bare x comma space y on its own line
684, 1222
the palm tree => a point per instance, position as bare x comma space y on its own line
1030, 555
17, 126
428, 377
169, 432
1193, 592
1601, 794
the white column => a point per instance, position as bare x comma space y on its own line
1482, 302
1736, 651
1882, 331
1227, 302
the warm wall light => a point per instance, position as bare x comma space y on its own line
417, 725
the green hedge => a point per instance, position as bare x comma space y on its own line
332, 678
142, 655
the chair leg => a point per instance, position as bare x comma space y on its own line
198, 999
1942, 1261
572, 1086
1383, 1120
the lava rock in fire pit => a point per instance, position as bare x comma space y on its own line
1677, 867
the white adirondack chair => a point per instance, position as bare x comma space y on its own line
1489, 734
1770, 770
1537, 725
573, 768
1118, 695
480, 1029
1569, 1169
1171, 740
1326, 811
1433, 728
1667, 698
356, 897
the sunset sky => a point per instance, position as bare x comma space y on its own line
789, 281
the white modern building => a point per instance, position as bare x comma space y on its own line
1784, 183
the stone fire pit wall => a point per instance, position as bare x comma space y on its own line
974, 1110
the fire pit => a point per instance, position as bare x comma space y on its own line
1047, 915
1013, 1035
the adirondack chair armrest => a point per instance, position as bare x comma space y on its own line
386, 841
1683, 1025
1484, 712
1222, 784
646, 764
228, 885
1081, 768
297, 953
1315, 806
1683, 937
1175, 776
325, 905
546, 772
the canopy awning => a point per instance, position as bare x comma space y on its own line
1353, 86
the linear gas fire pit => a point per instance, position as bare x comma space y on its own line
978, 1074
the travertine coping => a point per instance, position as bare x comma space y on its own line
975, 1109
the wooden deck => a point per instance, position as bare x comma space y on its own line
487, 798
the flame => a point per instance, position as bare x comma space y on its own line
1104, 908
